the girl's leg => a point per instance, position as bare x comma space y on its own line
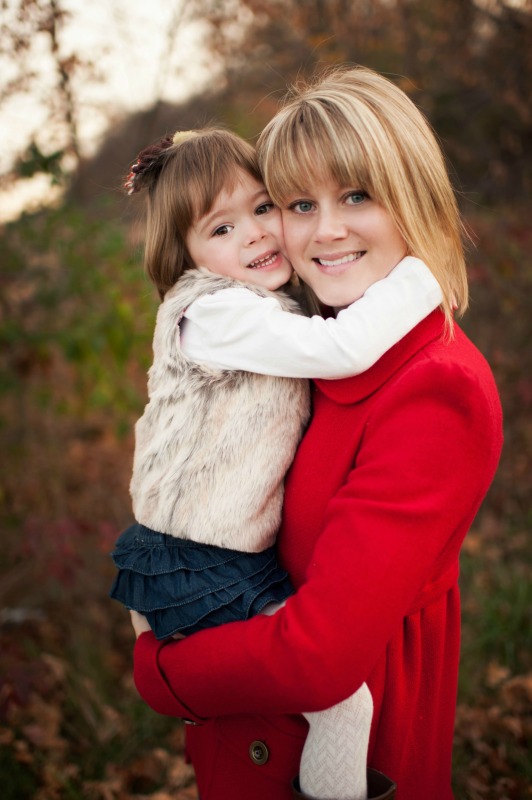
334, 759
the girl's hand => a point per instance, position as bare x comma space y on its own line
140, 623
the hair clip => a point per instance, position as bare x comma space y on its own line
149, 161
182, 136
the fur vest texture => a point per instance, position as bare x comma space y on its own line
213, 446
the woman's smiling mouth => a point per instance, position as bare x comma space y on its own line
337, 261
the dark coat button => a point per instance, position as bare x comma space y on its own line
258, 753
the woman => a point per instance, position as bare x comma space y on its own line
383, 489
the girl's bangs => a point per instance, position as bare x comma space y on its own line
214, 162
204, 187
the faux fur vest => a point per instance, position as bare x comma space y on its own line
213, 446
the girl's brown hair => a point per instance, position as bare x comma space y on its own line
184, 175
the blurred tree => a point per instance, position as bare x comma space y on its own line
43, 68
29, 27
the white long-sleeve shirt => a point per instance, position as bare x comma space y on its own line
238, 330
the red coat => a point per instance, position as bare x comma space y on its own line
384, 487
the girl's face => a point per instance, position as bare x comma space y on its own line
242, 237
340, 241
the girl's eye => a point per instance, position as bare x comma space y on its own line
264, 208
355, 198
301, 206
222, 230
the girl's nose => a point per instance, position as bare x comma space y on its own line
255, 232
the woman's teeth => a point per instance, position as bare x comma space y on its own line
344, 260
262, 262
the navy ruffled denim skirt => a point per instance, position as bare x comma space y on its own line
182, 586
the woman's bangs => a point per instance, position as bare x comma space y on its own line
301, 169
310, 152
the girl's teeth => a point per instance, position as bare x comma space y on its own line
344, 260
263, 262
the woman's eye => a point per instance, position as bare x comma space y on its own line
301, 206
222, 230
264, 208
354, 198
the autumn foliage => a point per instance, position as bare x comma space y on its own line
76, 317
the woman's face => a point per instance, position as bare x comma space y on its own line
340, 241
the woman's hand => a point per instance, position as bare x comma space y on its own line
140, 623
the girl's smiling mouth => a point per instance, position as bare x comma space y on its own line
265, 261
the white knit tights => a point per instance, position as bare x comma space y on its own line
334, 760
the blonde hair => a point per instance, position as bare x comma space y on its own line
184, 175
358, 128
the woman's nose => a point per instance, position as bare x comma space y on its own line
330, 225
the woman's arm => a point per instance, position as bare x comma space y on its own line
428, 454
237, 329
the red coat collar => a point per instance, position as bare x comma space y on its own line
352, 390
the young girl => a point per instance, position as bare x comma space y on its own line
227, 405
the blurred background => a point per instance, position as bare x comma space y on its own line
83, 87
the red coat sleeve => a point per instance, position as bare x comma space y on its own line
426, 457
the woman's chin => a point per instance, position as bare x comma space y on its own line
338, 299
